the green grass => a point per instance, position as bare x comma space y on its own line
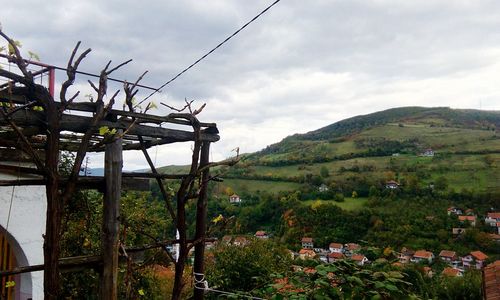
253, 186
350, 204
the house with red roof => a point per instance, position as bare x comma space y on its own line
492, 219
261, 234
391, 184
448, 256
470, 219
351, 248
336, 247
334, 256
360, 259
476, 259
307, 243
307, 254
422, 256
454, 210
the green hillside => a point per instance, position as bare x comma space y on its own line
364, 151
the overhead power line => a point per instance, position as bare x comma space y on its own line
211, 51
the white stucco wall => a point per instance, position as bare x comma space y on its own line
25, 229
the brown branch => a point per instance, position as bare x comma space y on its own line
13, 111
71, 73
20, 62
117, 67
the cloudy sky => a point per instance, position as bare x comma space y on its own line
301, 66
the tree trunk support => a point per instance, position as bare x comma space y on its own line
201, 225
113, 162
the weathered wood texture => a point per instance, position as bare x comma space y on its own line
113, 162
201, 223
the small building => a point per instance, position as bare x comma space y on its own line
391, 184
405, 255
469, 212
261, 234
495, 237
336, 247
448, 256
427, 271
492, 219
307, 243
227, 239
470, 219
351, 248
307, 254
454, 210
428, 152
422, 256
360, 259
476, 259
458, 231
323, 188
234, 199
334, 256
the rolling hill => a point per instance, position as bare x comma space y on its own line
357, 153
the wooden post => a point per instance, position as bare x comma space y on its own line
201, 225
113, 162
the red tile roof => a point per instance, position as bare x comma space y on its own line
467, 218
479, 255
494, 215
494, 236
336, 255
307, 251
307, 240
491, 281
423, 254
260, 233
358, 257
447, 253
352, 246
336, 245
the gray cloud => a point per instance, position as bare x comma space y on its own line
303, 65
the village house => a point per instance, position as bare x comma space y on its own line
428, 271
360, 259
323, 188
307, 254
452, 272
495, 237
454, 210
476, 259
422, 256
351, 248
492, 219
405, 255
234, 199
261, 234
336, 247
428, 152
391, 184
469, 212
334, 256
307, 243
227, 239
458, 231
470, 219
449, 257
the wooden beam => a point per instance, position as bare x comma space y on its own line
113, 163
80, 124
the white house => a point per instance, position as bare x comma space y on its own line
422, 256
359, 259
307, 243
492, 218
22, 223
234, 198
336, 247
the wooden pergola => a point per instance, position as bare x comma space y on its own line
32, 120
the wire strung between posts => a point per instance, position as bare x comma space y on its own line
211, 51
202, 284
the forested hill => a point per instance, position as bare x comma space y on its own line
358, 152
430, 116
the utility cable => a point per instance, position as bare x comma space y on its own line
211, 51
202, 284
